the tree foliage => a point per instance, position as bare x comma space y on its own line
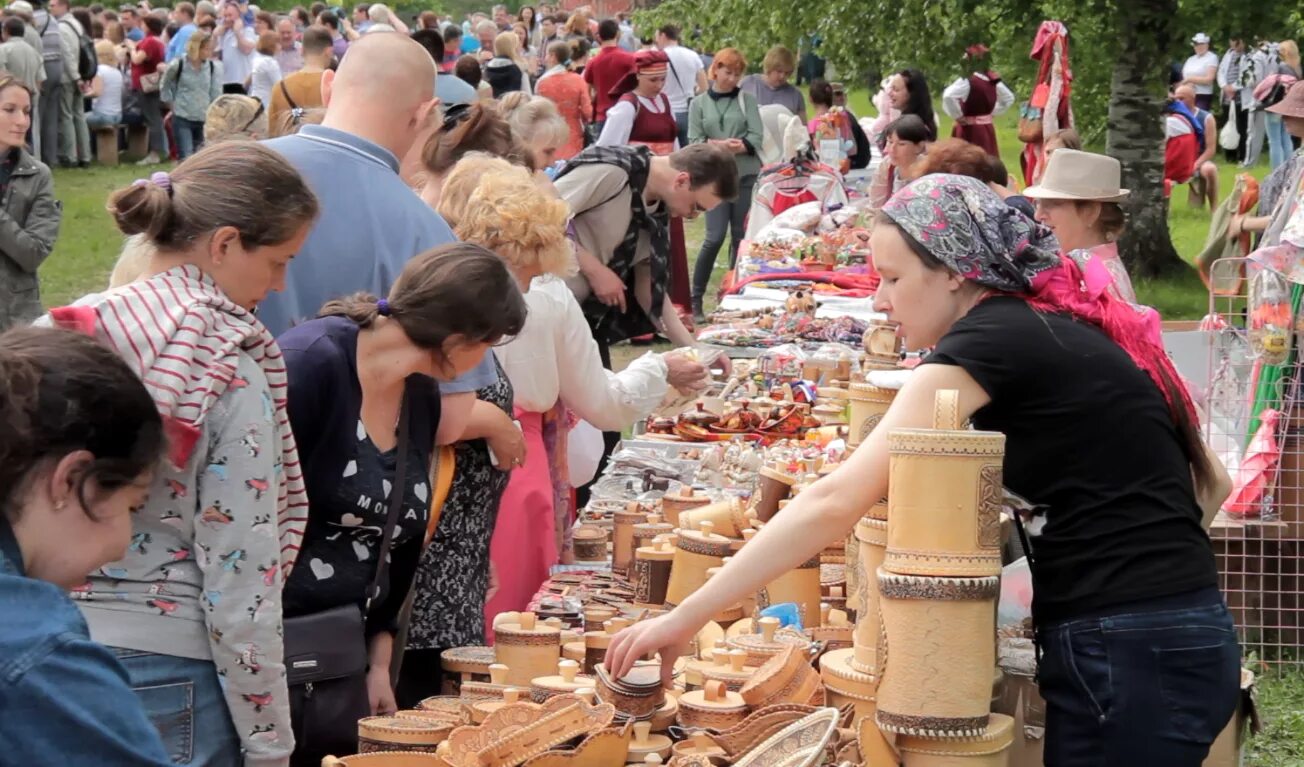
865, 38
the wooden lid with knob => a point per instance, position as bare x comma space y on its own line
645, 744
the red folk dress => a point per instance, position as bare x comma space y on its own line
975, 126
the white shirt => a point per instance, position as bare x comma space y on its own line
266, 74
236, 66
1199, 66
620, 120
109, 102
1175, 126
555, 358
955, 94
681, 80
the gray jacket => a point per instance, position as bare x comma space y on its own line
29, 225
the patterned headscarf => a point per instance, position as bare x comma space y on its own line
962, 223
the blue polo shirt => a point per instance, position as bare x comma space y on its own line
452, 89
370, 224
177, 45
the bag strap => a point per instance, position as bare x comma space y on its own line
286, 94
395, 504
441, 479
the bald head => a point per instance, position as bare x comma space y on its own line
392, 72
1185, 94
384, 91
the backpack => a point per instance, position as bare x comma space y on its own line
87, 62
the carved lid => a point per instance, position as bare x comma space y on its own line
712, 697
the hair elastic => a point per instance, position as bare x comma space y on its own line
382, 308
159, 178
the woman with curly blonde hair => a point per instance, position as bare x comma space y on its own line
553, 362
495, 204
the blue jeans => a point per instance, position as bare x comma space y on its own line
189, 135
101, 120
183, 698
1144, 684
1280, 145
681, 122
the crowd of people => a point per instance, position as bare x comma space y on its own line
274, 487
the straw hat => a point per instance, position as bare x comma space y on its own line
1074, 175
1293, 104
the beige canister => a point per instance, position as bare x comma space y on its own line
939, 646
800, 585
673, 504
622, 536
647, 531
990, 749
844, 685
868, 406
393, 733
696, 552
871, 535
773, 487
528, 648
728, 516
944, 510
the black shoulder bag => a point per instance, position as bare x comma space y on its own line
326, 653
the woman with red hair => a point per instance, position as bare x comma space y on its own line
729, 118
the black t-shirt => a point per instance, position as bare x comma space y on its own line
1090, 438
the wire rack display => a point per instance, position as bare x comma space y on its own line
1253, 418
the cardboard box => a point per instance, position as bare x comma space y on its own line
1229, 749
1021, 699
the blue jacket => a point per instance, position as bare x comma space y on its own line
63, 698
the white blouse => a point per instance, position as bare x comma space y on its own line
956, 93
555, 358
620, 120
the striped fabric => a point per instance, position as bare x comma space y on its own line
181, 334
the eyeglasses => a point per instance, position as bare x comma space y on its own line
257, 113
454, 115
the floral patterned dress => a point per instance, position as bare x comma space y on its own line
453, 576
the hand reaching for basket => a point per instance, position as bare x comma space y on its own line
669, 634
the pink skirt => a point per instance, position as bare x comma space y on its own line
523, 547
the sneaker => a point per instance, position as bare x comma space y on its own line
149, 159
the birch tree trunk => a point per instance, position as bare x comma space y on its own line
1136, 133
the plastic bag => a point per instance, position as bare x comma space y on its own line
1015, 607
1270, 316
1229, 137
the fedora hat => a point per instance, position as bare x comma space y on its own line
1292, 105
1074, 175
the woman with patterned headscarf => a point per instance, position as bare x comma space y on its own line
1138, 651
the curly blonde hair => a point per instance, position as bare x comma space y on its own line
493, 203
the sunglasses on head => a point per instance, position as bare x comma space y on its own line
454, 115
257, 113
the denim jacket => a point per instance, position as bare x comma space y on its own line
63, 698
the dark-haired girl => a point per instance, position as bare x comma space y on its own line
350, 371
1139, 659
69, 478
906, 141
908, 90
194, 607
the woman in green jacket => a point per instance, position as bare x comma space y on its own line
732, 119
29, 213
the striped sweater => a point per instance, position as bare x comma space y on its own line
204, 572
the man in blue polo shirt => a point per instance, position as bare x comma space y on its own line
370, 223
